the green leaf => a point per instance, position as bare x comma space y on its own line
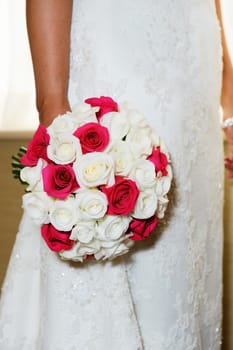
16, 164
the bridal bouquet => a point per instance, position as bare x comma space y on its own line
98, 179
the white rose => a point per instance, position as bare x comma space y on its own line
162, 185
133, 115
63, 215
32, 175
140, 140
72, 254
136, 119
146, 205
37, 205
162, 206
90, 248
112, 227
64, 149
118, 248
91, 203
83, 231
122, 155
79, 251
84, 113
117, 124
143, 172
139, 121
62, 124
94, 169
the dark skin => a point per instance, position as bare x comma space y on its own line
48, 23
227, 93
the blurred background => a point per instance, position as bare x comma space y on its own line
18, 119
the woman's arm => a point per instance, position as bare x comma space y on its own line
48, 23
227, 83
227, 92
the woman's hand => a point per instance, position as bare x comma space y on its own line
227, 105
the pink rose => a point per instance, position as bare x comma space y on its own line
106, 104
37, 147
122, 196
142, 228
159, 159
93, 137
56, 240
59, 180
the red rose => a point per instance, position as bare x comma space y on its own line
142, 228
37, 147
122, 196
93, 137
56, 240
160, 160
59, 180
106, 104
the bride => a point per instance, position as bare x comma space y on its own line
163, 57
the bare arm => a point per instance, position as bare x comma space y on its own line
227, 86
48, 23
227, 92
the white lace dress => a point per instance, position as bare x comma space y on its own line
164, 58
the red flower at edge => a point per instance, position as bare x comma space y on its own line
106, 104
142, 228
56, 240
37, 147
159, 160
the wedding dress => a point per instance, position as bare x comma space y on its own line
164, 58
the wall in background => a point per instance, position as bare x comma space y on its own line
17, 108
228, 266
